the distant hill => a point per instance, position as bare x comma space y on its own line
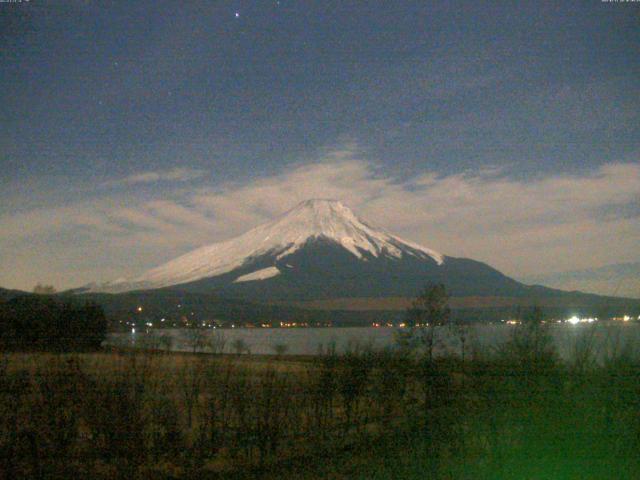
181, 306
6, 294
621, 279
178, 306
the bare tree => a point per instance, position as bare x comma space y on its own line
428, 311
240, 346
353, 377
215, 428
584, 356
151, 341
166, 341
195, 338
190, 381
44, 289
272, 404
460, 330
531, 347
280, 349
322, 378
217, 342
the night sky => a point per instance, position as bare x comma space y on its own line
133, 131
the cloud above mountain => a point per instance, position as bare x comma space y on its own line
541, 225
171, 175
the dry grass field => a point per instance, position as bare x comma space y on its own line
518, 413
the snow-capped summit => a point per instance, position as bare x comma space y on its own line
333, 221
317, 219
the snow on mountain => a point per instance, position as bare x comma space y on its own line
258, 275
311, 219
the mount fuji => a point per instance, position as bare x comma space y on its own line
319, 250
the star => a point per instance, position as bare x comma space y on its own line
237, 14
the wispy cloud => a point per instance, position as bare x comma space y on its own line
172, 175
552, 223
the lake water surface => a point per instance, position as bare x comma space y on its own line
606, 338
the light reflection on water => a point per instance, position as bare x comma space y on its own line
606, 338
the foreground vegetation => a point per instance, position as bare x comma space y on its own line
515, 413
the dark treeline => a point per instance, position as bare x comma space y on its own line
41, 323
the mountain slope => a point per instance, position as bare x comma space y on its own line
321, 250
322, 269
311, 220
